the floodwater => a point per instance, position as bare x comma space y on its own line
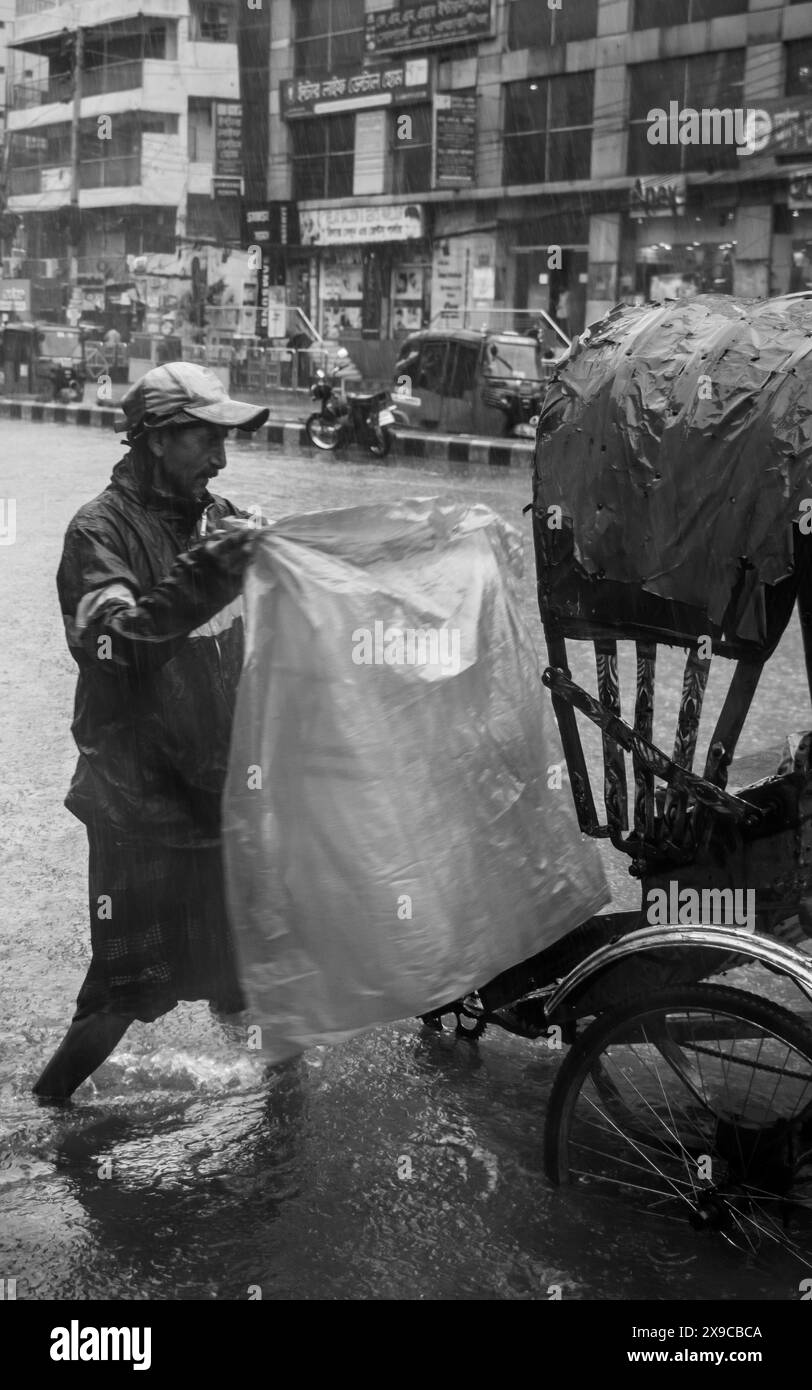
401, 1165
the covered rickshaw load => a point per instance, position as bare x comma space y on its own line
672, 496
677, 443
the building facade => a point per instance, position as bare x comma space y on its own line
151, 113
458, 161
445, 162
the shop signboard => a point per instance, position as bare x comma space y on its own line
661, 195
376, 84
226, 187
800, 189
782, 125
432, 24
353, 226
454, 144
228, 139
256, 224
270, 224
15, 297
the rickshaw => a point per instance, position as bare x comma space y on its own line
672, 479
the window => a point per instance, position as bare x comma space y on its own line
460, 370
548, 129
649, 14
430, 366
212, 21
158, 123
213, 219
323, 158
799, 68
329, 36
411, 159
200, 135
708, 80
531, 24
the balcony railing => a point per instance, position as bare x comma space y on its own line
41, 92
114, 171
113, 77
98, 81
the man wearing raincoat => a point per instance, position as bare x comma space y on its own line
149, 586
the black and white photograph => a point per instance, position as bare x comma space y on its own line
406, 738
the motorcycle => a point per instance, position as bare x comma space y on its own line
352, 419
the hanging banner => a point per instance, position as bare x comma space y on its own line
454, 143
228, 139
431, 25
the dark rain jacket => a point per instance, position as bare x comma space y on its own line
155, 626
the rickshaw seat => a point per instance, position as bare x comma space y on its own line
674, 809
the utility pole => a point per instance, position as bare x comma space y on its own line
73, 224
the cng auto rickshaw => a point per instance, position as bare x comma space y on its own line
463, 381
45, 360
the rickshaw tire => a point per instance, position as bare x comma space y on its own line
588, 1047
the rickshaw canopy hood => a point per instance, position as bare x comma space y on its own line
677, 441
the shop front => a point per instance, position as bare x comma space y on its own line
800, 231
370, 268
677, 243
548, 259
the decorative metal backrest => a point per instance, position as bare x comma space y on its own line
670, 822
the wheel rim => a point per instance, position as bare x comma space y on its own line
697, 1113
323, 433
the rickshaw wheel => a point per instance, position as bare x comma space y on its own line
695, 1104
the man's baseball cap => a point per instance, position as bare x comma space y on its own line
183, 393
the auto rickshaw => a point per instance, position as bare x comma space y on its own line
462, 381
44, 360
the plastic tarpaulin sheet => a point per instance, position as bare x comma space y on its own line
391, 841
678, 443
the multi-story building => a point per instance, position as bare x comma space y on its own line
6, 17
459, 158
157, 80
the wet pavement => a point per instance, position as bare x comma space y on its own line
399, 1165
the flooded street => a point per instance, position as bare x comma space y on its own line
401, 1165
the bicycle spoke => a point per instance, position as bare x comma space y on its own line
708, 1074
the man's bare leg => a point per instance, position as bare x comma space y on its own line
87, 1043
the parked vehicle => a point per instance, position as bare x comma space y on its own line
356, 417
466, 382
46, 360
